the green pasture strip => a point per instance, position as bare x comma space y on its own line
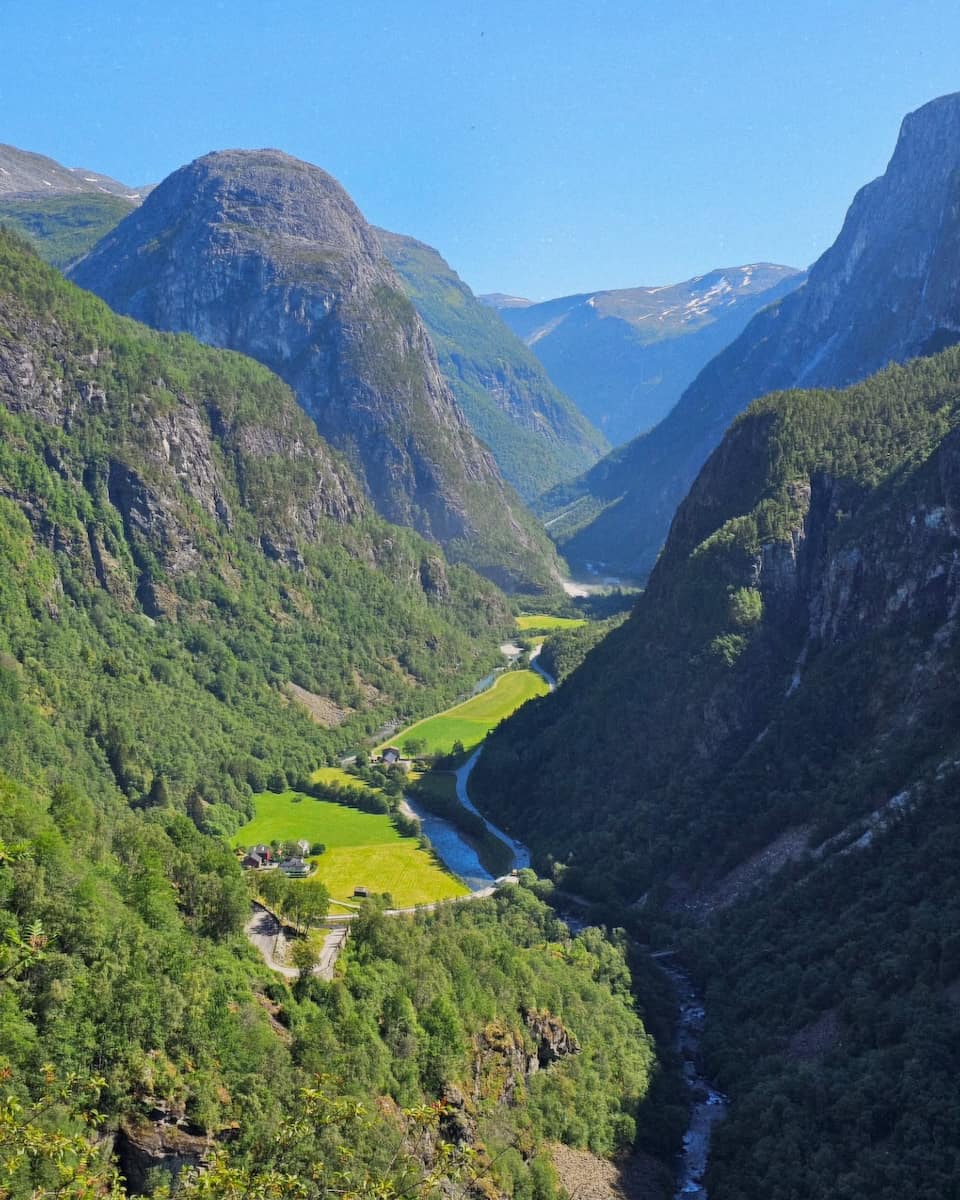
471, 721
543, 622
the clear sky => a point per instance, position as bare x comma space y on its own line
543, 146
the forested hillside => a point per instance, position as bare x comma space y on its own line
536, 433
180, 546
177, 546
767, 747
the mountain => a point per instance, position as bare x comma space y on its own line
500, 300
62, 211
170, 508
760, 768
259, 252
625, 356
537, 435
887, 290
25, 173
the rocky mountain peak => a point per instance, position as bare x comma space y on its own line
256, 251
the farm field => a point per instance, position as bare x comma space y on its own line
338, 777
543, 623
471, 721
363, 849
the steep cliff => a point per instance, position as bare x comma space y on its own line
536, 433
887, 290
258, 252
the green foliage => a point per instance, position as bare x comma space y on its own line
62, 228
564, 650
537, 435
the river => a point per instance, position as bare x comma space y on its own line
708, 1105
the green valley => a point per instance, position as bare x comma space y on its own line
198, 615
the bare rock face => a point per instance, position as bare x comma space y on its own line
503, 1060
886, 291
145, 1146
259, 252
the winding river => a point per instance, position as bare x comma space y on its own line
708, 1105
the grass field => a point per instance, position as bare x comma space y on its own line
471, 721
338, 777
363, 849
543, 623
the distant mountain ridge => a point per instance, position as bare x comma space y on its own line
24, 173
537, 434
887, 290
259, 252
61, 210
625, 355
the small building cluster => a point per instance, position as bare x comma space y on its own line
260, 858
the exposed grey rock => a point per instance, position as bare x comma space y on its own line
259, 252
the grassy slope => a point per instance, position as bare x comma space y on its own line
471, 721
362, 848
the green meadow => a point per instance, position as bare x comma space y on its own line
544, 623
363, 849
471, 721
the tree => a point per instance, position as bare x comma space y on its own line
314, 901
305, 954
273, 887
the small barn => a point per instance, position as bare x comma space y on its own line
390, 756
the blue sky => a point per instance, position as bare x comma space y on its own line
543, 147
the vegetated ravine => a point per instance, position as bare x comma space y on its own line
707, 1104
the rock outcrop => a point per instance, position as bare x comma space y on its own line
144, 1147
259, 252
